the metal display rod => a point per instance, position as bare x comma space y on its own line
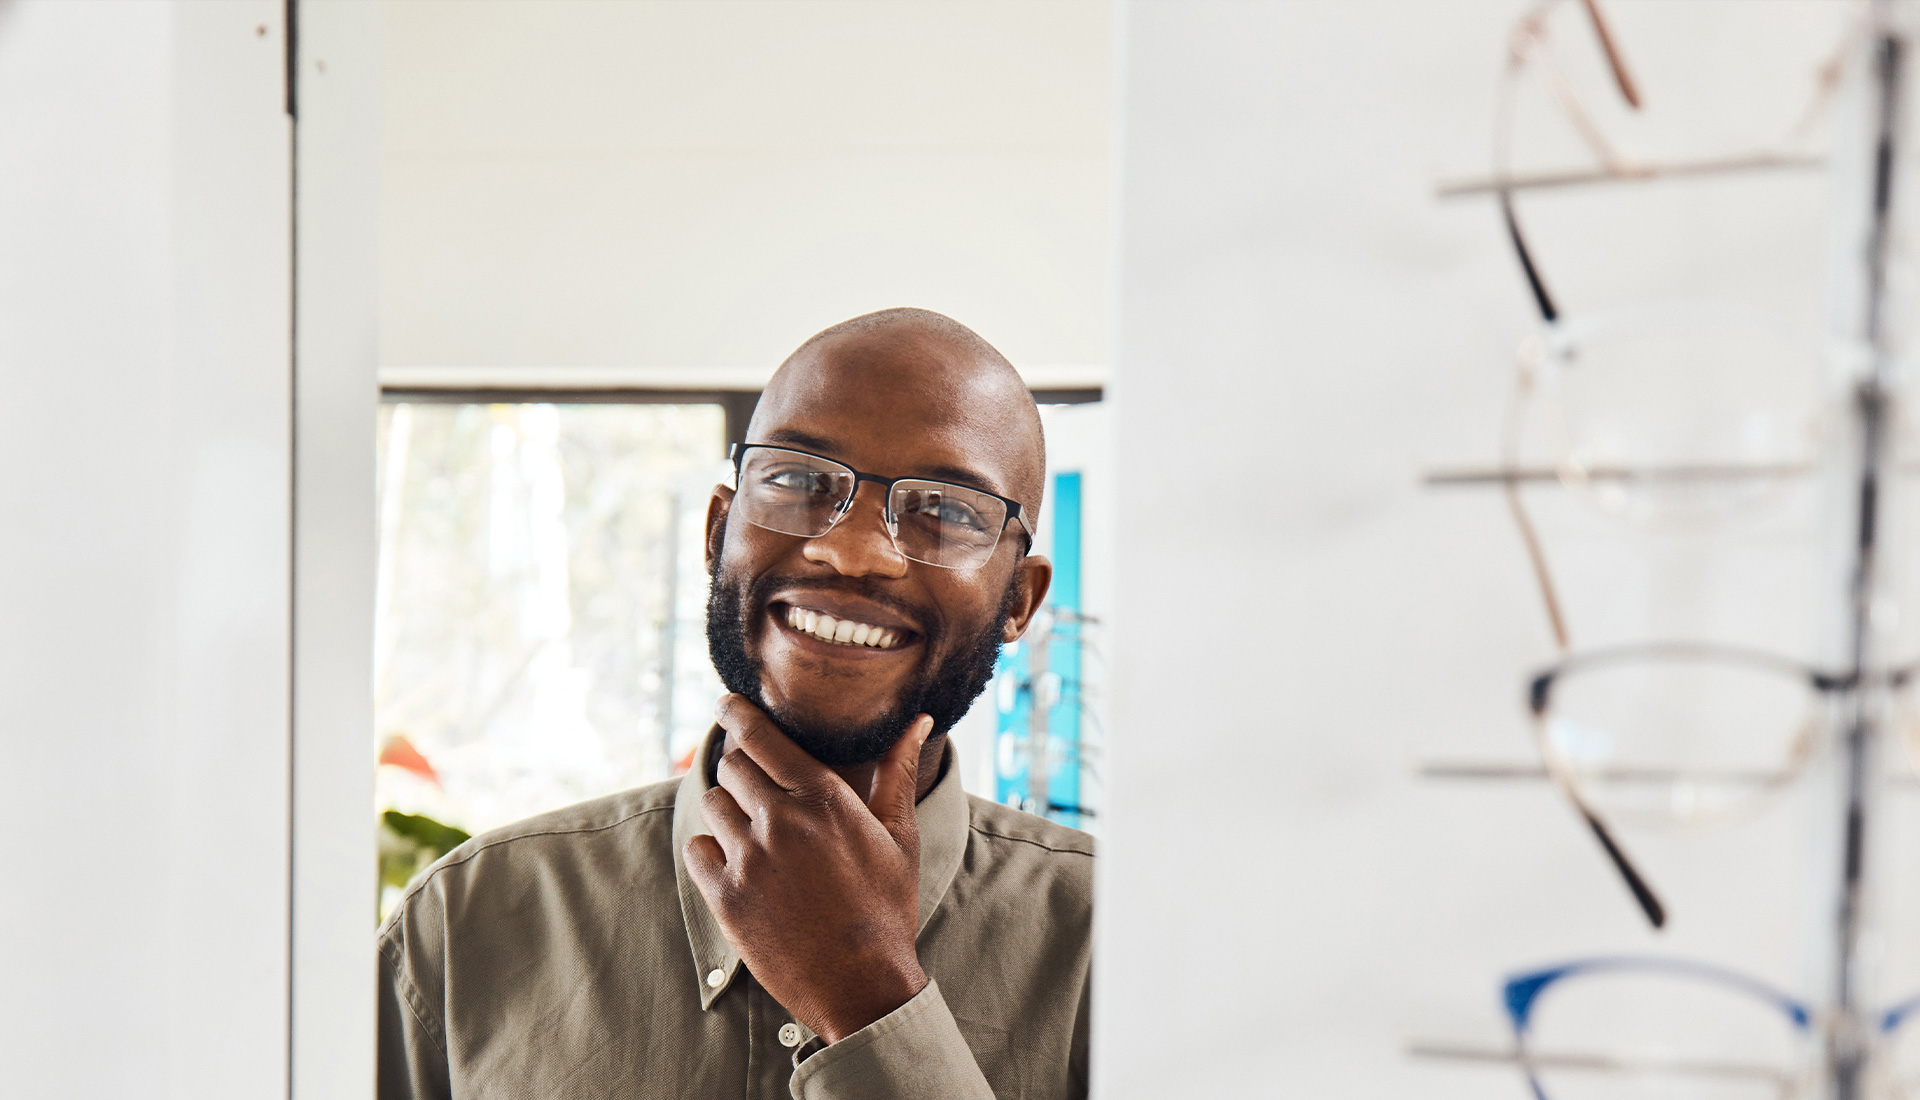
1847, 1049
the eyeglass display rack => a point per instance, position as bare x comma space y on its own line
1862, 310
1872, 401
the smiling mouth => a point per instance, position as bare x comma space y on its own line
846, 632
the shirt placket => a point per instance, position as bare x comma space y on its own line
772, 1036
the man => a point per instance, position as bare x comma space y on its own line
816, 909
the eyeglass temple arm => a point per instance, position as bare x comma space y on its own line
1628, 90
1642, 893
1541, 298
1538, 695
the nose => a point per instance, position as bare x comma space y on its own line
859, 544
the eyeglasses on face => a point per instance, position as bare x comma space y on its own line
936, 523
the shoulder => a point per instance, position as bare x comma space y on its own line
553, 894
575, 846
1000, 826
1028, 863
640, 807
1025, 887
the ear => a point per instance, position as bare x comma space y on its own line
1031, 576
718, 505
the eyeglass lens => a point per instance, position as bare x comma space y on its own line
1677, 741
933, 522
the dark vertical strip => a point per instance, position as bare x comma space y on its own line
1845, 1054
1888, 69
739, 406
291, 18
291, 21
1642, 893
1548, 312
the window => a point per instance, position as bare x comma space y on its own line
540, 610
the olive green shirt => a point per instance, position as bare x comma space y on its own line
570, 955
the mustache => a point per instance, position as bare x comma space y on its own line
760, 593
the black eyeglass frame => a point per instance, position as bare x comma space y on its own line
1820, 682
736, 454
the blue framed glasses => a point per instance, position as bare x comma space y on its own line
1638, 1027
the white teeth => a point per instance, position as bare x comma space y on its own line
842, 631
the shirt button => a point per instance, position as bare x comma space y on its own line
789, 1035
716, 977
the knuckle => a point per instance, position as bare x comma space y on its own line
748, 731
789, 824
749, 864
736, 900
817, 793
700, 859
826, 804
780, 818
739, 777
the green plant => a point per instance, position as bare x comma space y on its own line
410, 842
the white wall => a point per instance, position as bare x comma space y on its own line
335, 399
144, 474
1304, 329
687, 185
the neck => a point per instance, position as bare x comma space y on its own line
933, 764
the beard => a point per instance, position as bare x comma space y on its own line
942, 688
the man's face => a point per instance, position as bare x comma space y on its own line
848, 703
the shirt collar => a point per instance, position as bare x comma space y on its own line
942, 816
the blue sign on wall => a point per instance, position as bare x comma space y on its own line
1044, 670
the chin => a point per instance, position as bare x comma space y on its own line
817, 703
850, 741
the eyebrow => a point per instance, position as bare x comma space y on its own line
959, 475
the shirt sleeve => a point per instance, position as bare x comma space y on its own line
914, 1052
413, 1044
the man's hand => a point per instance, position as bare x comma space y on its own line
817, 888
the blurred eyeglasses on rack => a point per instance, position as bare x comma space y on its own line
1668, 415
1678, 734
1636, 1027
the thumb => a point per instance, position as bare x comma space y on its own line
896, 781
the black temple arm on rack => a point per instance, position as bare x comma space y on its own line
1642, 893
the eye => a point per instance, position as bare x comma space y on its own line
798, 479
946, 510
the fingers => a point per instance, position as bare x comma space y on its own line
786, 763
747, 782
729, 823
896, 781
705, 864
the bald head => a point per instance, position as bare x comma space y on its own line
913, 367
